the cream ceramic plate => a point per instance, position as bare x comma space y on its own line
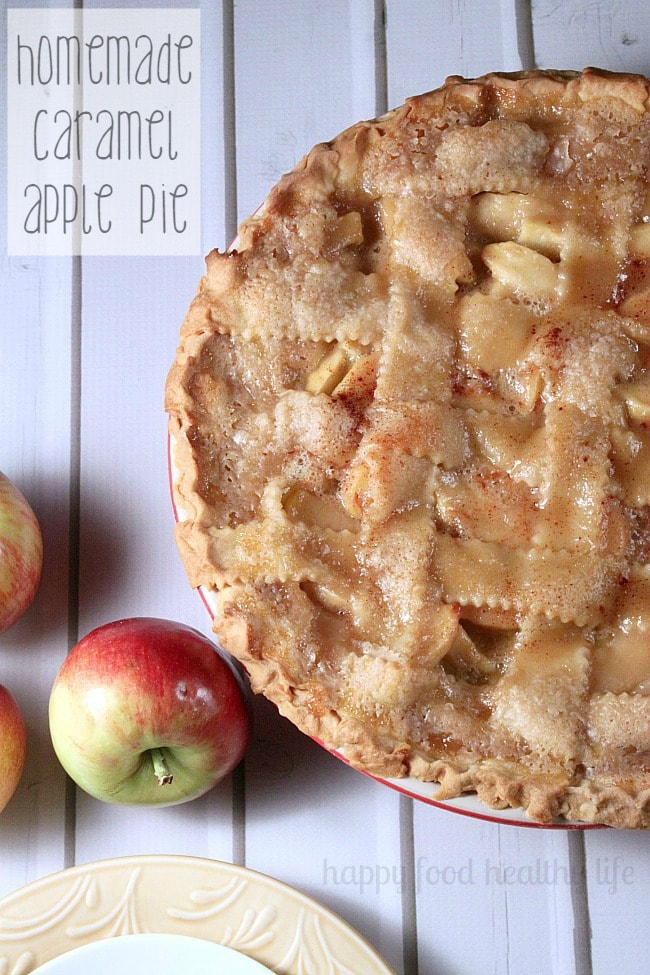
466, 805
204, 899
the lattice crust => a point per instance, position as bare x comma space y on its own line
411, 421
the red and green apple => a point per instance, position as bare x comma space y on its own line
147, 711
21, 553
14, 744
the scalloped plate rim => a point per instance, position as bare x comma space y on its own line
306, 908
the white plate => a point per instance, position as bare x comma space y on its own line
250, 913
164, 954
468, 804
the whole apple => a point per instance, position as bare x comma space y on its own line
13, 745
146, 711
21, 553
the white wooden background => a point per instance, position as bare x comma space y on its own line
85, 345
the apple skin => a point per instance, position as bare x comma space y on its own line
21, 554
13, 738
136, 689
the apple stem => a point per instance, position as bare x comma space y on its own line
161, 767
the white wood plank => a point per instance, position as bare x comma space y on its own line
618, 874
318, 78
36, 342
129, 565
35, 407
599, 33
428, 41
317, 61
326, 829
615, 36
503, 887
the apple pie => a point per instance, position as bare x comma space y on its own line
410, 419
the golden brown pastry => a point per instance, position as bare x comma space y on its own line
410, 421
